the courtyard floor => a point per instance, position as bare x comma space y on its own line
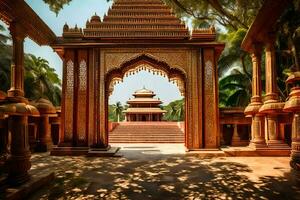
165, 172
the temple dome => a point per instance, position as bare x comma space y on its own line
95, 18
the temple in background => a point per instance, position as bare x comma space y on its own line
144, 107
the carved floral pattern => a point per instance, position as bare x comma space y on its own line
69, 98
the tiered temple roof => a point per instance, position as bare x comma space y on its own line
144, 96
138, 19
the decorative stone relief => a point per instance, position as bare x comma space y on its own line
82, 76
174, 58
69, 100
209, 99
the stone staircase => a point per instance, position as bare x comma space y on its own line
147, 132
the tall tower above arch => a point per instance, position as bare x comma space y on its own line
139, 19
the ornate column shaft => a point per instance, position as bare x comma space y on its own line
271, 85
252, 110
17, 66
18, 111
44, 135
295, 154
19, 159
272, 107
293, 105
235, 141
4, 150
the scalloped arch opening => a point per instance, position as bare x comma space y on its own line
145, 63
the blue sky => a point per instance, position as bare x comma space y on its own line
77, 12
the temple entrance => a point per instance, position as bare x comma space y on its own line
143, 117
87, 86
101, 54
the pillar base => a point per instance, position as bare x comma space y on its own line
17, 180
295, 160
100, 146
43, 147
238, 143
103, 152
37, 181
257, 145
18, 167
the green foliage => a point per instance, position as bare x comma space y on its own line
175, 111
231, 14
115, 112
233, 54
5, 59
233, 18
40, 79
56, 5
234, 90
289, 37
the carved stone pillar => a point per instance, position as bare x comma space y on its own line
272, 107
46, 110
19, 160
16, 90
3, 132
4, 151
18, 110
101, 136
235, 141
293, 105
252, 110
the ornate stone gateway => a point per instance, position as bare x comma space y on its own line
136, 35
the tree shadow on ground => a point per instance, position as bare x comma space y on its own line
159, 176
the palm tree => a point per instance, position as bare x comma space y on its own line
171, 111
5, 60
175, 111
41, 81
180, 110
233, 55
235, 90
117, 110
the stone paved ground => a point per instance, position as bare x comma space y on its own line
154, 173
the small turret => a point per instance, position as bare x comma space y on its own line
66, 27
95, 19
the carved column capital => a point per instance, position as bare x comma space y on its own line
17, 31
256, 50
270, 40
16, 90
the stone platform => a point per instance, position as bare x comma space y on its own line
84, 151
110, 152
69, 151
247, 151
37, 181
206, 153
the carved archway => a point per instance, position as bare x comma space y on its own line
137, 64
148, 63
103, 52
